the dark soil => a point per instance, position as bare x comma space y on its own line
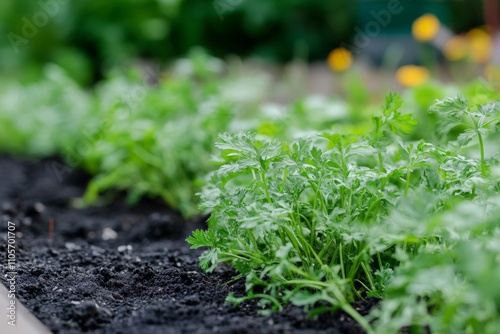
142, 279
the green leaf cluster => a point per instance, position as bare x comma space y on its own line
328, 219
157, 142
33, 115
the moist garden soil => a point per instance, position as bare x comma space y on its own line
122, 269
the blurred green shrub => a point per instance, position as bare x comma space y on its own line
85, 37
43, 118
277, 29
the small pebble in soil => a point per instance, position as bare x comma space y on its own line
124, 249
39, 207
72, 246
27, 221
109, 234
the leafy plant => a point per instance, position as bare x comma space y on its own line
41, 119
154, 144
455, 112
321, 223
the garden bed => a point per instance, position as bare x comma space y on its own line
143, 278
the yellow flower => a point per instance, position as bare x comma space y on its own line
480, 45
425, 28
412, 75
456, 48
340, 59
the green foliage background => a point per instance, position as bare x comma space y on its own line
87, 37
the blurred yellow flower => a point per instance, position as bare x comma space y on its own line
480, 45
412, 75
340, 59
456, 48
425, 28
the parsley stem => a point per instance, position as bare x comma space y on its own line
342, 268
340, 300
481, 148
380, 162
368, 275
264, 184
407, 184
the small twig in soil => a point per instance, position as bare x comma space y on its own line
51, 228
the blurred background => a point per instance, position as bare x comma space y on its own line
88, 38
